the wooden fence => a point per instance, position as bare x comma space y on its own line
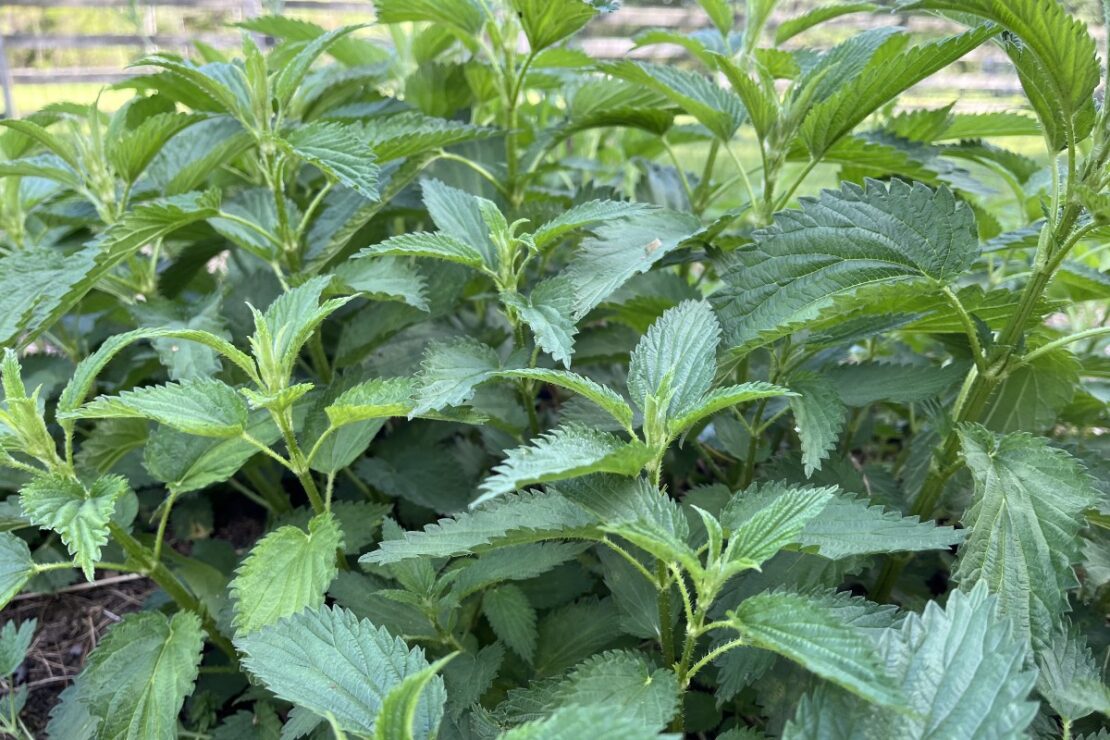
985, 73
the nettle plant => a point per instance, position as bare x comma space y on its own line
557, 398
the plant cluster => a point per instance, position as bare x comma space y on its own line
568, 400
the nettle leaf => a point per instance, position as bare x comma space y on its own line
377, 398
850, 526
16, 566
547, 22
1032, 395
961, 669
1024, 525
464, 15
79, 514
622, 248
565, 452
820, 415
719, 110
838, 243
602, 396
408, 134
724, 398
623, 681
575, 722
339, 151
136, 680
202, 406
431, 246
790, 28
583, 215
458, 214
293, 72
767, 519
389, 279
549, 313
869, 382
286, 572
512, 618
678, 352
133, 150
888, 73
809, 631
1056, 59
1068, 677
331, 663
451, 371
14, 644
507, 520
39, 285
397, 718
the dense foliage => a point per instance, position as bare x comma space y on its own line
571, 402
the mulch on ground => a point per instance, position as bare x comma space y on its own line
70, 624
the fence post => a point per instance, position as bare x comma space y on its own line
6, 81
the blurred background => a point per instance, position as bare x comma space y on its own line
55, 50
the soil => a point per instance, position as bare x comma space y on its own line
70, 623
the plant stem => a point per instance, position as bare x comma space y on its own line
666, 633
173, 587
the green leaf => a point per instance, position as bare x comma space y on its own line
39, 285
451, 371
508, 520
622, 681
790, 28
137, 678
48, 166
1032, 395
583, 215
337, 150
431, 246
851, 526
678, 351
1069, 679
16, 566
377, 398
720, 399
286, 572
720, 14
331, 663
961, 669
385, 279
78, 514
187, 463
512, 618
219, 86
1024, 523
836, 244
820, 415
576, 722
466, 16
411, 133
133, 150
458, 214
719, 110
565, 452
869, 382
293, 71
763, 520
549, 313
808, 630
1056, 59
14, 644
605, 398
621, 249
992, 124
397, 718
40, 135
512, 563
202, 406
888, 73
547, 22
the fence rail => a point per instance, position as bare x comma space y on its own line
986, 72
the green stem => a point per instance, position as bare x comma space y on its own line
1065, 341
173, 587
969, 329
666, 633
713, 655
